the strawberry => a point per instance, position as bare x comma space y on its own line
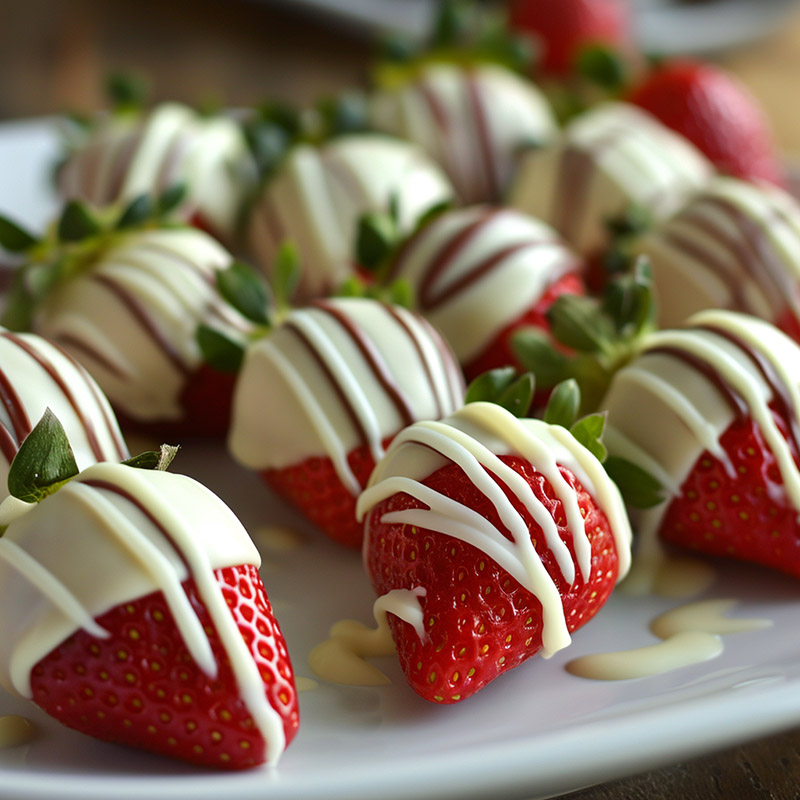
165, 640
477, 274
318, 398
126, 293
315, 195
500, 351
490, 538
611, 161
719, 433
711, 108
562, 28
119, 155
733, 245
35, 374
316, 489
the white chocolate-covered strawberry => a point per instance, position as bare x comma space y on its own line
473, 120
35, 375
734, 245
126, 296
488, 538
318, 399
317, 195
478, 274
164, 638
712, 411
608, 160
127, 154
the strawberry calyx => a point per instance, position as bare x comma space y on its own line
74, 243
514, 392
45, 461
262, 302
463, 33
272, 129
598, 336
378, 243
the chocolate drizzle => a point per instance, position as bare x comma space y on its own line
748, 247
487, 157
373, 359
86, 422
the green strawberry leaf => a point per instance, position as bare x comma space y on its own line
490, 385
564, 404
243, 288
152, 459
453, 22
77, 223
400, 293
171, 198
504, 387
589, 431
639, 489
346, 113
376, 237
534, 349
602, 66
14, 238
137, 212
219, 352
517, 397
578, 322
43, 463
286, 275
126, 92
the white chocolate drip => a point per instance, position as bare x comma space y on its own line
339, 375
147, 531
473, 438
341, 657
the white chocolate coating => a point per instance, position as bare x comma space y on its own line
474, 121
473, 438
147, 531
475, 270
131, 318
131, 154
36, 375
318, 194
735, 245
607, 159
664, 411
334, 376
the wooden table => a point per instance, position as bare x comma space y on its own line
52, 57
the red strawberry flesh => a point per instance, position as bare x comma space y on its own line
141, 687
314, 487
745, 515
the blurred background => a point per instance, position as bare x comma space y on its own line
54, 54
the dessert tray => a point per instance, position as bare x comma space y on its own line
538, 732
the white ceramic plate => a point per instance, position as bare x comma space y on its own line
536, 732
660, 26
